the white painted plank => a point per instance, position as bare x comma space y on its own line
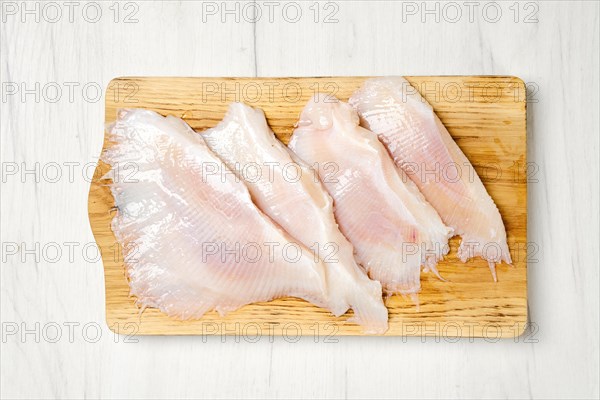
559, 55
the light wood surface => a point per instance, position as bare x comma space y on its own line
558, 57
485, 115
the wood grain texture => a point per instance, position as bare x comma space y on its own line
486, 115
558, 57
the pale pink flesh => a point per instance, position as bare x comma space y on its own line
422, 146
393, 229
176, 201
290, 192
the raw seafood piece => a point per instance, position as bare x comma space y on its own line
393, 229
421, 145
289, 191
193, 240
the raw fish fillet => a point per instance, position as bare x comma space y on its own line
190, 232
291, 194
393, 229
419, 143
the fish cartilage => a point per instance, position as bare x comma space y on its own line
289, 192
189, 230
392, 227
421, 145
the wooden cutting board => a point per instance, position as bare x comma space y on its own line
486, 115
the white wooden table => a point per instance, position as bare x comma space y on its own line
55, 59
